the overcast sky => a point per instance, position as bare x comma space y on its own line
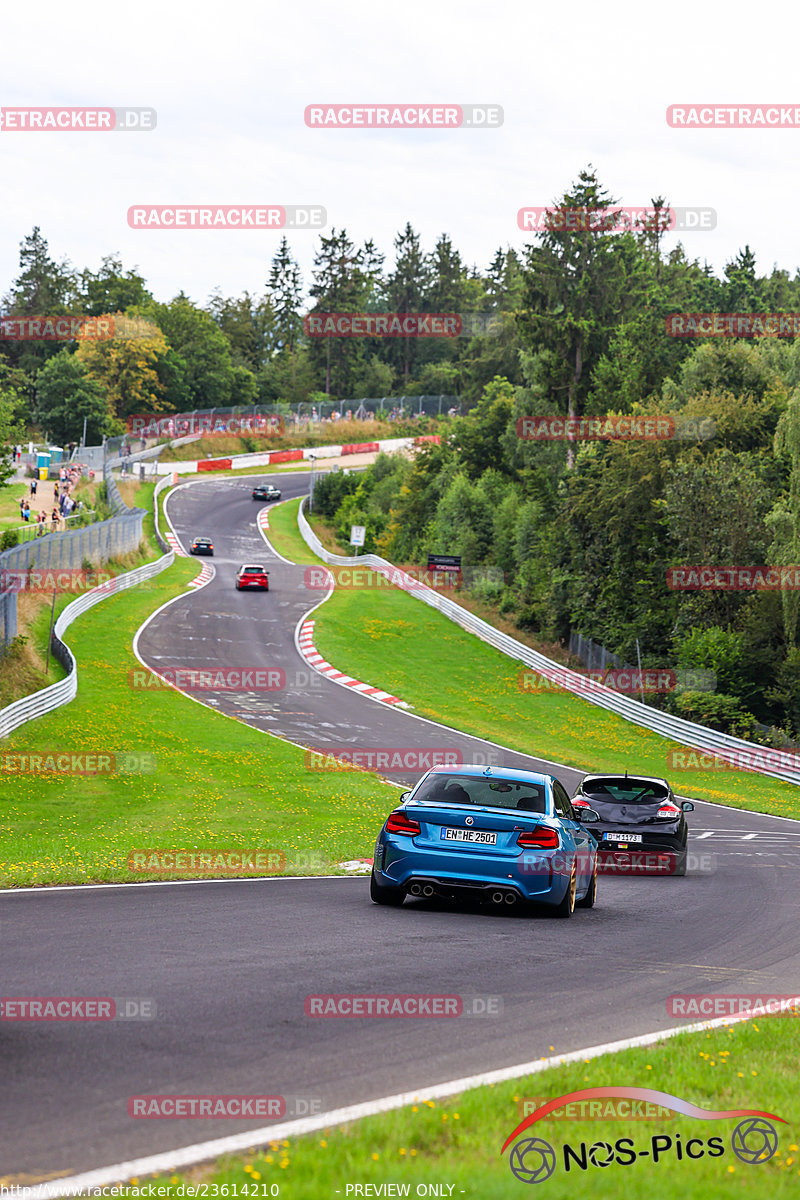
579, 83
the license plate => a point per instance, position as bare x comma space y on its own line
622, 837
469, 835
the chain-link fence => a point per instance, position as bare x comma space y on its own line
96, 543
300, 413
592, 654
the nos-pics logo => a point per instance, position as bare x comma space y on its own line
754, 1140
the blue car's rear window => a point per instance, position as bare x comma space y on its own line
477, 789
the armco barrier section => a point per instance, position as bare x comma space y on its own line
49, 698
214, 464
267, 457
687, 733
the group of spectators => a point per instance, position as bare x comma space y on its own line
64, 504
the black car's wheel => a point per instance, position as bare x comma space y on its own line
385, 895
680, 864
567, 906
590, 897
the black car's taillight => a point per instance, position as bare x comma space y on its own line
398, 822
581, 804
668, 812
540, 838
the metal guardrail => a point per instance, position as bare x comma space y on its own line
49, 698
687, 733
164, 482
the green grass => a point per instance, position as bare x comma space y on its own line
457, 1140
73, 829
9, 504
390, 640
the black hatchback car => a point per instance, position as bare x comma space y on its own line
641, 822
265, 491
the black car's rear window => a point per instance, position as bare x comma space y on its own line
625, 791
477, 789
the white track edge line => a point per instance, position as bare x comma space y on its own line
235, 1143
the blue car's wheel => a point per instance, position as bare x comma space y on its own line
385, 895
590, 897
567, 905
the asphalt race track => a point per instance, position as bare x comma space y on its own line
228, 964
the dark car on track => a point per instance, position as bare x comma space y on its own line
265, 491
642, 824
202, 545
492, 834
253, 575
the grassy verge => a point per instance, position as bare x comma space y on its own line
200, 794
390, 640
9, 503
456, 1142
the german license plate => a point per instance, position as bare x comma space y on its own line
622, 837
469, 835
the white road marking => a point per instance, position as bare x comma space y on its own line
185, 1156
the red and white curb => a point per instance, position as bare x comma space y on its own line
174, 544
263, 519
312, 656
205, 576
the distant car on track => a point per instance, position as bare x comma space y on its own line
493, 833
640, 819
252, 576
265, 491
202, 545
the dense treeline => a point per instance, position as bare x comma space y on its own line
581, 532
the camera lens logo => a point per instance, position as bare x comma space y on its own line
754, 1141
601, 1154
533, 1160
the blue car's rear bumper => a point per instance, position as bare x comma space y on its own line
541, 875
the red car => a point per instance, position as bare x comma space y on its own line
252, 576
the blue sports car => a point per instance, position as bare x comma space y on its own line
493, 833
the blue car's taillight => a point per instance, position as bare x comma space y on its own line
540, 838
398, 822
